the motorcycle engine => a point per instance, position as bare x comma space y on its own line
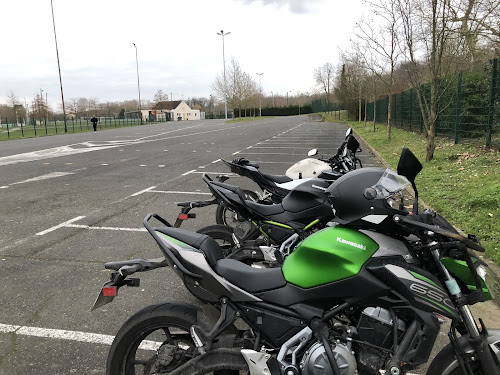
375, 327
315, 361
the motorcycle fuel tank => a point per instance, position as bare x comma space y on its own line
327, 256
307, 168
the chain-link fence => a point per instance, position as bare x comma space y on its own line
35, 128
468, 108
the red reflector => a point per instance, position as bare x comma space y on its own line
110, 291
183, 216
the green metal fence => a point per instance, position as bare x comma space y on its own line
323, 105
36, 128
469, 107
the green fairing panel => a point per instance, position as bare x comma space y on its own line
461, 270
329, 255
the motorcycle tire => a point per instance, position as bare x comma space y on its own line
222, 234
357, 163
445, 363
149, 326
227, 217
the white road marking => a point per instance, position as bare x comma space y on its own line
59, 226
143, 191
43, 177
94, 338
229, 174
49, 153
271, 153
179, 192
106, 228
191, 171
69, 224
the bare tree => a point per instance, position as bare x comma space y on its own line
82, 106
324, 76
378, 46
159, 100
238, 86
14, 104
478, 24
429, 38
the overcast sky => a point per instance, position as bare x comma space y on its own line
178, 49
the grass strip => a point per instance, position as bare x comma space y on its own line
462, 182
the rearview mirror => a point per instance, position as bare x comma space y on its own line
409, 166
312, 152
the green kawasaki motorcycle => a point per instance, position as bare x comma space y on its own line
367, 296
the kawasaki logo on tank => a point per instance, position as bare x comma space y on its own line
357, 245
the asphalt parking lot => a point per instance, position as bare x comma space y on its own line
71, 203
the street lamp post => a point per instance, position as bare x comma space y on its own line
260, 95
224, 62
138, 86
59, 67
41, 106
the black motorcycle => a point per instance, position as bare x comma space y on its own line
356, 298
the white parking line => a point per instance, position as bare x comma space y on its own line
191, 171
106, 228
143, 191
180, 192
59, 226
42, 177
93, 338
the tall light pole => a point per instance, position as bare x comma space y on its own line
260, 95
59, 66
41, 106
224, 62
138, 86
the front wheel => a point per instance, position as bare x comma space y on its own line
446, 363
154, 340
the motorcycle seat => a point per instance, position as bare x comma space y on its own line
206, 244
276, 178
248, 278
265, 209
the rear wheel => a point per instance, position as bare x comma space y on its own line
222, 234
231, 218
154, 340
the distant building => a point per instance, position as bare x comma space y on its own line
177, 110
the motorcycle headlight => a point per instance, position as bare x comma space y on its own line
488, 280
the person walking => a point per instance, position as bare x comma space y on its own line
94, 122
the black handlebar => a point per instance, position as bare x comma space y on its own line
399, 219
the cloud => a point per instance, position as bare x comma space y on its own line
295, 6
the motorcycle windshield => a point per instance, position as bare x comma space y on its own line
389, 184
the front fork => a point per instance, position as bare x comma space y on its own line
477, 339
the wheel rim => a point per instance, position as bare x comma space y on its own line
240, 225
142, 357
